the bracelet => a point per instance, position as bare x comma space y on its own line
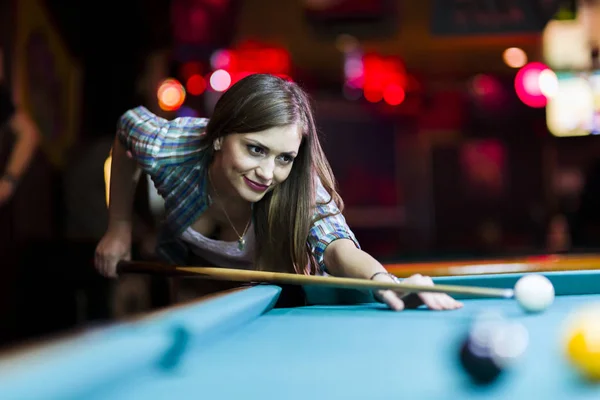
394, 277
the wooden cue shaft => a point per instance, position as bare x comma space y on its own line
238, 275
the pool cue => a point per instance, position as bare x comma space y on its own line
251, 276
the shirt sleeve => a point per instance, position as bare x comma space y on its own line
169, 151
156, 142
329, 225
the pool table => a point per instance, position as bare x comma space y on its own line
236, 345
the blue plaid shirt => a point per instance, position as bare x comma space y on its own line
172, 154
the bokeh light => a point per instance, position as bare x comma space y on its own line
220, 80
170, 94
394, 94
514, 57
548, 82
221, 59
527, 85
196, 85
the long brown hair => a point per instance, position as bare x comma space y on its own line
283, 218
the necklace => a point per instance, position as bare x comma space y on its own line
241, 240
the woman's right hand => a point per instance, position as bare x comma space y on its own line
114, 246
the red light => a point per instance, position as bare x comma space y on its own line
196, 85
527, 85
394, 95
374, 73
373, 95
384, 77
252, 58
484, 85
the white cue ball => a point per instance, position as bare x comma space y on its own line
534, 292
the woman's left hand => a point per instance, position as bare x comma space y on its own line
400, 301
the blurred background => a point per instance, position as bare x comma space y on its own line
456, 128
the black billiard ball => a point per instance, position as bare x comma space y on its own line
492, 345
478, 362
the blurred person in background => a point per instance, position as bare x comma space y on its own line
19, 142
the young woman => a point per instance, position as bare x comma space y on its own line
249, 188
19, 142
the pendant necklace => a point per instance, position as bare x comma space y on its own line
241, 241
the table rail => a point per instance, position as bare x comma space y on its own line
547, 263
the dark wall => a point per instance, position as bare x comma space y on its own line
110, 44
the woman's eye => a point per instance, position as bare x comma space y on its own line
255, 149
287, 159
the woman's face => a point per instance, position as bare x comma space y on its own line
248, 165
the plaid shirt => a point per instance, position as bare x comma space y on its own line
172, 154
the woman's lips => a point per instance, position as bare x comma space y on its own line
255, 186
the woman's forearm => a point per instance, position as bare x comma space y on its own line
124, 175
343, 258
